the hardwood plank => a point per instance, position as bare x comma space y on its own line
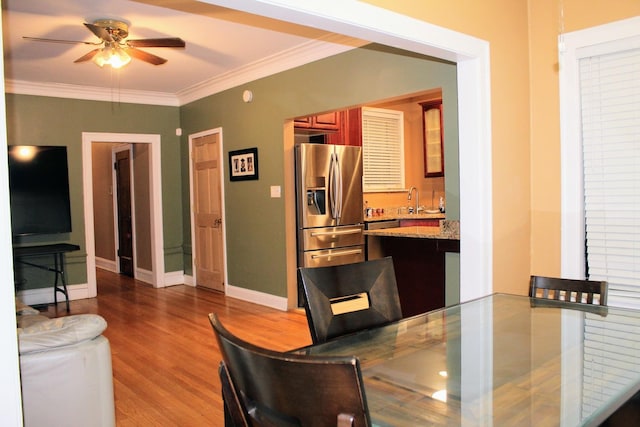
164, 354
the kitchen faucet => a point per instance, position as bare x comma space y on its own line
417, 198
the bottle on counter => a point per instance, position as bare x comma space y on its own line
441, 204
368, 212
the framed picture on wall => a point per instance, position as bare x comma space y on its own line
243, 164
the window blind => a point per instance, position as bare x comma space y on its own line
610, 356
610, 109
382, 149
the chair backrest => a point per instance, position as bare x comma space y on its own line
569, 290
347, 298
282, 389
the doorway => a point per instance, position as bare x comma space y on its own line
207, 213
152, 143
124, 221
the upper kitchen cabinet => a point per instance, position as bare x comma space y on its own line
342, 127
433, 139
321, 122
350, 131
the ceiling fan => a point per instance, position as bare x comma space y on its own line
115, 50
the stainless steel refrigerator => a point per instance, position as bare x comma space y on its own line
329, 204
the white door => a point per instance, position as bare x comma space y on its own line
207, 202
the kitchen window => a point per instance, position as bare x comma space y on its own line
382, 150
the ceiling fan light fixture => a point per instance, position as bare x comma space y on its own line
120, 58
112, 55
113, 49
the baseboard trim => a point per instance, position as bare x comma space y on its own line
45, 295
174, 278
81, 291
106, 264
188, 280
145, 276
279, 303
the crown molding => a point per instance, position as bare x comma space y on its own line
305, 53
294, 57
92, 93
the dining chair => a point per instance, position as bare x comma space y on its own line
347, 298
233, 410
569, 290
262, 387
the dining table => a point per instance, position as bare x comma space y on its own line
499, 360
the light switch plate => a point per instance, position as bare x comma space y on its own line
275, 191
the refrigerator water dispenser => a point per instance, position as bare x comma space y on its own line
316, 202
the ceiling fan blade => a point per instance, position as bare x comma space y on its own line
99, 32
87, 56
145, 56
163, 42
39, 39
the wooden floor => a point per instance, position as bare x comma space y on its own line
163, 349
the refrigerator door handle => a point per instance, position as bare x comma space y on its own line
332, 186
338, 253
338, 178
336, 233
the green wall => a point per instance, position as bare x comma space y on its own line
256, 252
255, 222
37, 120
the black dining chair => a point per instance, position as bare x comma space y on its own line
262, 387
569, 290
234, 415
347, 298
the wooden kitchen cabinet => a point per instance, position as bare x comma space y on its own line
353, 133
339, 127
321, 122
432, 128
419, 265
350, 130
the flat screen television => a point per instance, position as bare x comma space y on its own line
39, 190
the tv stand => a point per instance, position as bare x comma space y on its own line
58, 251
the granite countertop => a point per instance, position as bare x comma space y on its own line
448, 230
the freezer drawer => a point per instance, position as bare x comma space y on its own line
331, 237
339, 256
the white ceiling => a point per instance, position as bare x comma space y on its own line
224, 48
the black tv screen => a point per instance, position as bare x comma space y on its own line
39, 190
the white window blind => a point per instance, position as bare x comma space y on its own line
610, 104
382, 149
610, 357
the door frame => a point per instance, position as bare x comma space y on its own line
155, 200
221, 169
116, 227
473, 63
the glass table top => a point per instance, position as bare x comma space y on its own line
499, 360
